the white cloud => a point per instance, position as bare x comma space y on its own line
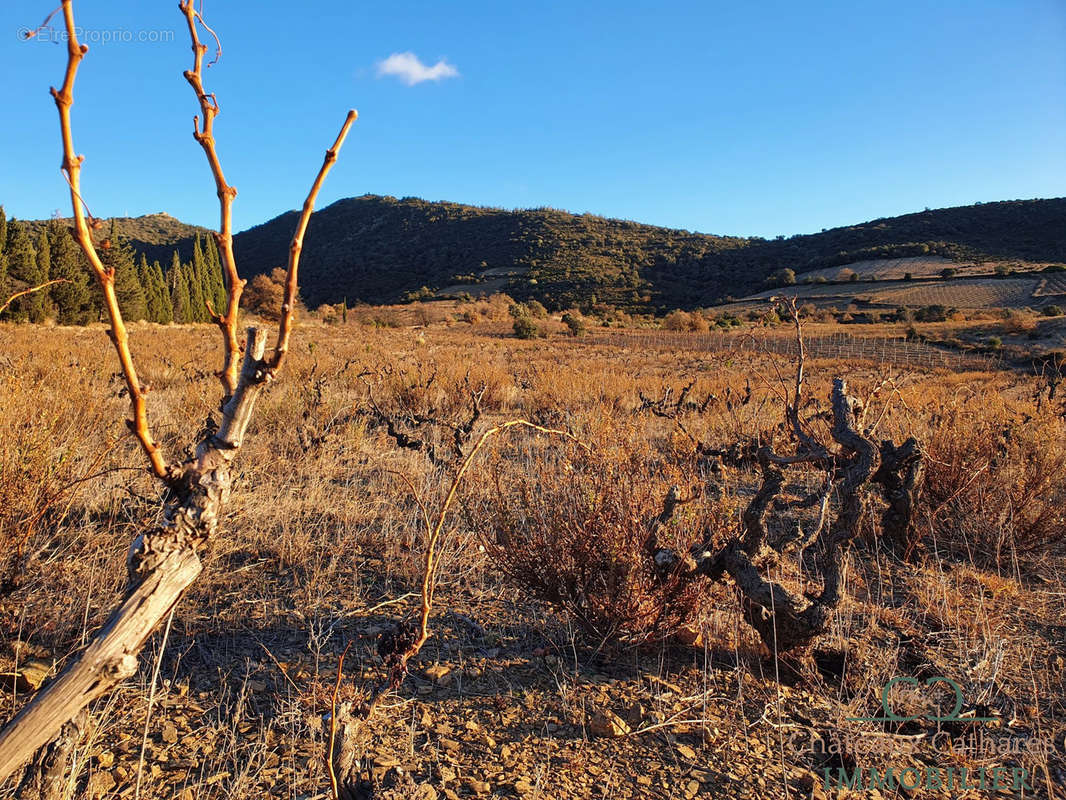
409, 69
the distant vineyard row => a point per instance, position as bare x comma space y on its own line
964, 293
840, 346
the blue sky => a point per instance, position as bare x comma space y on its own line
757, 118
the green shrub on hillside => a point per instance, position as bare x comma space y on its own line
575, 323
525, 328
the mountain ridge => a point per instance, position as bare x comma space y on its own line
379, 248
156, 235
382, 249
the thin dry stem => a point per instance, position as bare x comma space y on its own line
288, 306
429, 568
31, 290
792, 410
334, 785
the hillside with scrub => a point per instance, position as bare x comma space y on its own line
383, 250
380, 249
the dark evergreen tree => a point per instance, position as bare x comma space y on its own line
179, 290
216, 284
144, 277
118, 256
156, 292
72, 300
22, 274
195, 276
164, 312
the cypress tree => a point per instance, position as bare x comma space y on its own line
128, 289
216, 282
179, 290
3, 229
44, 272
151, 299
165, 310
22, 274
72, 300
195, 275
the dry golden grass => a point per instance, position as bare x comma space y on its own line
322, 545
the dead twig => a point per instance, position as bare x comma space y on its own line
31, 290
334, 786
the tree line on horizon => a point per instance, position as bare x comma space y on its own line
181, 292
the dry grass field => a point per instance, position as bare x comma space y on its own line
520, 693
513, 696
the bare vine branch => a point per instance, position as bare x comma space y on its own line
164, 559
204, 134
288, 305
105, 278
808, 443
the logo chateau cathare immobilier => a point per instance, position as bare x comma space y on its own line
979, 743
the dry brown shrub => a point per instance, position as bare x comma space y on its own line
49, 458
677, 321
575, 532
995, 481
698, 323
264, 294
1017, 322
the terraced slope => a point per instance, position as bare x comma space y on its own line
1018, 292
